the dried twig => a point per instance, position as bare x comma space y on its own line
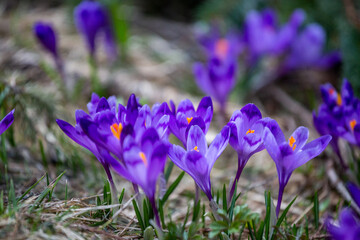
340, 187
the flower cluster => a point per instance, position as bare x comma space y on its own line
338, 116
133, 141
92, 21
262, 37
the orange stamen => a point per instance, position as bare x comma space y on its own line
291, 142
339, 100
189, 119
116, 130
352, 124
196, 148
250, 131
143, 158
221, 47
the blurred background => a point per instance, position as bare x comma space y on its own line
158, 43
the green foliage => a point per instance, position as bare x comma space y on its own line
241, 216
177, 231
172, 187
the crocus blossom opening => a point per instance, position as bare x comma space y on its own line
287, 155
186, 116
247, 127
198, 159
338, 116
144, 161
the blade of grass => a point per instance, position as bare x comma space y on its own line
316, 210
282, 217
121, 195
267, 217
172, 187
29, 189
138, 215
224, 199
43, 156
169, 170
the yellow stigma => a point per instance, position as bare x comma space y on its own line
338, 100
291, 143
189, 119
221, 47
116, 130
352, 124
143, 158
250, 131
196, 148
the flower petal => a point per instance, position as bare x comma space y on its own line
196, 140
202, 79
301, 135
102, 105
176, 154
199, 170
186, 107
355, 192
251, 113
132, 110
78, 137
272, 146
148, 140
310, 150
217, 146
6, 121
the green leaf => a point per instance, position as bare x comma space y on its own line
121, 196
169, 170
149, 233
172, 187
29, 189
316, 210
43, 156
138, 215
224, 199
282, 217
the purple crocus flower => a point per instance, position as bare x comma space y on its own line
98, 108
348, 227
144, 161
337, 115
45, 34
216, 45
158, 118
263, 35
186, 115
92, 19
355, 192
109, 127
313, 37
198, 159
247, 127
217, 78
292, 153
7, 121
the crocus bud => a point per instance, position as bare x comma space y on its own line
45, 33
91, 20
